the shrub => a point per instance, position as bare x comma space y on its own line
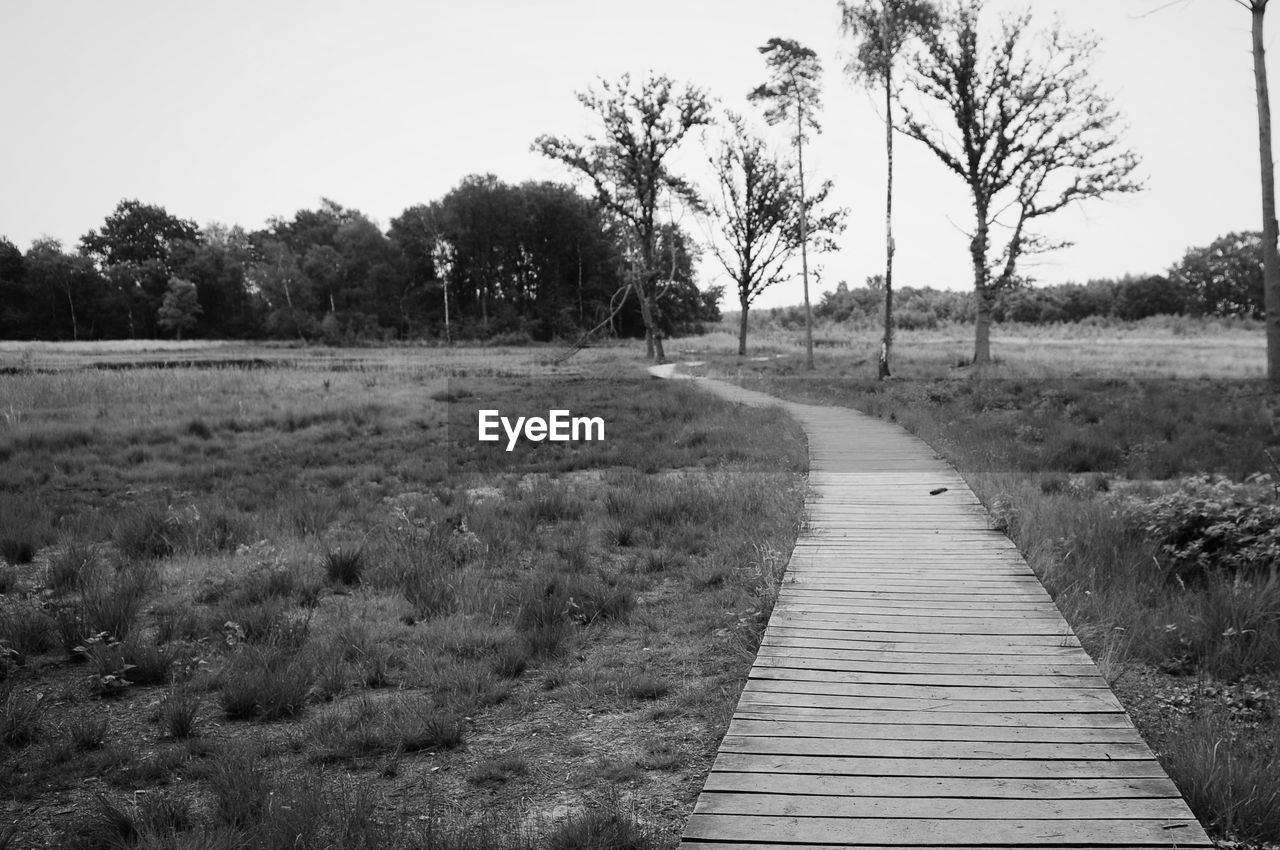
8, 579
17, 550
1210, 523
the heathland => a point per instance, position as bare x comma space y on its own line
284, 598
261, 594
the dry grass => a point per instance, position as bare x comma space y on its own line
305, 567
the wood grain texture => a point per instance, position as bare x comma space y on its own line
916, 686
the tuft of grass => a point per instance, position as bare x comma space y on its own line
268, 682
493, 772
647, 686
344, 566
87, 731
19, 717
241, 787
143, 532
601, 827
199, 428
25, 628
107, 825
72, 568
1231, 781
164, 813
180, 714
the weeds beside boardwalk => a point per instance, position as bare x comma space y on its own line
294, 606
1149, 507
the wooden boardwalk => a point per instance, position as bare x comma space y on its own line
916, 686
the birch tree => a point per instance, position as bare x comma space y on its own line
1270, 231
883, 28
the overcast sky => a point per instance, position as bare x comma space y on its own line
237, 111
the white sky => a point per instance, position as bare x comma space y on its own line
238, 110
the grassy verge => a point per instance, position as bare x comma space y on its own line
302, 607
1149, 508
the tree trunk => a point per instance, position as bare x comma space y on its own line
981, 290
448, 337
742, 328
887, 343
653, 337
804, 241
1270, 261
75, 327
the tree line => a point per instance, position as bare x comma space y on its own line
528, 261
1221, 280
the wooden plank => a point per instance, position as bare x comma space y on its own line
780, 671
949, 831
1063, 722
943, 705
884, 662
689, 844
940, 768
935, 750
942, 787
995, 643
811, 728
952, 808
900, 651
947, 692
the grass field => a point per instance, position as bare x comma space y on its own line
283, 597
1136, 469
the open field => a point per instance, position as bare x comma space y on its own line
1159, 347
288, 601
1137, 472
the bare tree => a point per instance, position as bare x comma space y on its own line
627, 164
756, 207
1270, 231
1031, 133
883, 28
794, 94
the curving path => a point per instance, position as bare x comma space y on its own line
916, 686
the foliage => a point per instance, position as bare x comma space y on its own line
628, 165
1210, 524
180, 308
1223, 278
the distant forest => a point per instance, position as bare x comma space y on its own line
489, 260
510, 263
